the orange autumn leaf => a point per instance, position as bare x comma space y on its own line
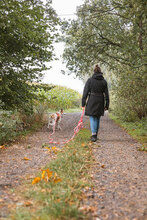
83, 145
25, 158
47, 148
55, 175
49, 173
36, 180
88, 208
54, 148
28, 203
43, 174
1, 147
57, 180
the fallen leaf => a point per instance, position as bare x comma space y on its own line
36, 180
43, 174
43, 190
1, 147
71, 203
49, 173
86, 188
88, 208
25, 158
57, 180
28, 203
55, 175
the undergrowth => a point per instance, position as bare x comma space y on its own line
49, 200
137, 129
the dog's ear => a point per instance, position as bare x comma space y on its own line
51, 116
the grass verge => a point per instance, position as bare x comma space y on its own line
137, 130
58, 192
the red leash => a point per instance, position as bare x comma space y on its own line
76, 130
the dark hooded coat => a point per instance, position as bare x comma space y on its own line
95, 95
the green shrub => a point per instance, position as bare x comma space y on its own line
9, 121
14, 124
128, 94
57, 98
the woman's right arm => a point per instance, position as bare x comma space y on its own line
85, 92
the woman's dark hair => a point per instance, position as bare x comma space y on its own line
97, 68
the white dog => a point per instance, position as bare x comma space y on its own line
55, 119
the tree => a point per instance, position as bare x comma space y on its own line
111, 33
27, 33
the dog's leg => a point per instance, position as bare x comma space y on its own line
48, 124
58, 126
54, 127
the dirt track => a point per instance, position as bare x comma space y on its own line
121, 181
120, 184
13, 166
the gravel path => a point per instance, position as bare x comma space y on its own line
120, 172
14, 168
120, 175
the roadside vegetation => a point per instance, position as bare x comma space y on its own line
137, 129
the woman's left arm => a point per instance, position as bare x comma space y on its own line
107, 97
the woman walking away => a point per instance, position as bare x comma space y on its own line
96, 99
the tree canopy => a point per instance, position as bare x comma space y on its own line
113, 34
27, 33
109, 32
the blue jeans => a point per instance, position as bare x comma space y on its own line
94, 124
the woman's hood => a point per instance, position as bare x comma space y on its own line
98, 76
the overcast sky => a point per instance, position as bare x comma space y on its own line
65, 9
